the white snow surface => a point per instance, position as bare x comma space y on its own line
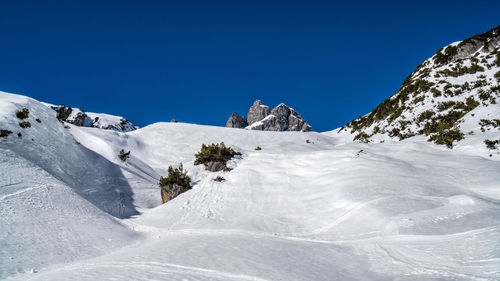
326, 209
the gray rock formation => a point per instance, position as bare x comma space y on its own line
78, 117
281, 118
257, 112
236, 121
170, 191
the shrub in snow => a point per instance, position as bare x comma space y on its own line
491, 144
176, 183
219, 179
4, 133
24, 124
23, 113
447, 137
215, 156
124, 155
258, 148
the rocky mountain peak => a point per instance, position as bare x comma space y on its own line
260, 117
236, 121
257, 112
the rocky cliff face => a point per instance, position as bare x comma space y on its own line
80, 118
236, 121
281, 118
450, 96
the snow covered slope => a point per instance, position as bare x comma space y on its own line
452, 96
307, 206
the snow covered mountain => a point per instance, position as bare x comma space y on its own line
295, 206
451, 97
78, 117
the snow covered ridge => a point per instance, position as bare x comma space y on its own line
450, 97
78, 117
260, 117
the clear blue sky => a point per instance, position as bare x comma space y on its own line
198, 61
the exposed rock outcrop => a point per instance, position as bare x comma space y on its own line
170, 191
79, 118
236, 121
281, 118
257, 112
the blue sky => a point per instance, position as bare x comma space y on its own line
198, 61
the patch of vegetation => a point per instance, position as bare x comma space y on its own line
491, 144
447, 137
19, 134
308, 141
442, 106
258, 148
38, 120
426, 115
23, 113
176, 176
459, 71
214, 153
24, 124
124, 155
493, 122
497, 75
441, 123
64, 112
5, 133
219, 179
435, 92
362, 137
446, 56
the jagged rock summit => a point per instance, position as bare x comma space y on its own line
260, 117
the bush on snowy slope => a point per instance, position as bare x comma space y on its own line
215, 156
176, 183
124, 155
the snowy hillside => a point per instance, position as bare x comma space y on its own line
308, 206
450, 97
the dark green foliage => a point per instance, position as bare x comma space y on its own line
24, 124
491, 144
494, 122
362, 137
214, 153
446, 56
124, 155
447, 137
442, 106
497, 61
219, 179
497, 75
38, 120
64, 112
425, 115
178, 176
459, 71
19, 134
258, 148
4, 133
308, 141
23, 113
435, 92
